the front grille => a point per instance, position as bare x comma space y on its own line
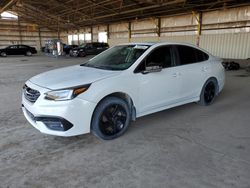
30, 94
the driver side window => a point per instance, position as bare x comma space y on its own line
13, 47
161, 57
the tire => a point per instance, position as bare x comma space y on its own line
111, 118
82, 54
208, 92
28, 53
3, 54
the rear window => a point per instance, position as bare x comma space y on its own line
105, 45
22, 46
188, 55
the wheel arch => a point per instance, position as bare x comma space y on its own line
217, 84
124, 96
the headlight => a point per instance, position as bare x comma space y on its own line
65, 94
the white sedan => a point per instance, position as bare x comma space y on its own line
119, 85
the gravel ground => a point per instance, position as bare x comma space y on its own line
189, 146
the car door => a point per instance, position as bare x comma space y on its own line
89, 48
99, 48
161, 88
12, 50
22, 49
192, 70
102, 47
96, 48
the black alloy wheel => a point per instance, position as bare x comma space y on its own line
209, 92
82, 54
112, 120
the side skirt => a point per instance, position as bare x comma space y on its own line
195, 99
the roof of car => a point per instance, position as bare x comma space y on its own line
161, 43
141, 43
158, 43
165, 43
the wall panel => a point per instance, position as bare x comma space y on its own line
24, 33
227, 45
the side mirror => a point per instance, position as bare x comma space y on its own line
152, 68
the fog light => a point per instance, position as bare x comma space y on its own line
56, 124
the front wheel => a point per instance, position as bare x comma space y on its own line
28, 53
3, 54
111, 118
82, 54
208, 92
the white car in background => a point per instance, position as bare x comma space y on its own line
119, 85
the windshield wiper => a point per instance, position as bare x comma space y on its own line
94, 66
100, 67
85, 64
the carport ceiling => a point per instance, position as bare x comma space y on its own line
74, 14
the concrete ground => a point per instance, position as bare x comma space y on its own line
189, 146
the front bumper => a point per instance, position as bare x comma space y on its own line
74, 53
76, 112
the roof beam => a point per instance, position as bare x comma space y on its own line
7, 6
70, 8
139, 9
102, 6
89, 6
57, 19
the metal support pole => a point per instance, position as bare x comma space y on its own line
108, 34
20, 32
40, 40
198, 17
78, 40
58, 29
129, 31
159, 28
199, 23
91, 32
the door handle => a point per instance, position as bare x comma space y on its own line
204, 69
175, 75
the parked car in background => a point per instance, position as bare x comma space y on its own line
19, 49
67, 48
89, 49
121, 84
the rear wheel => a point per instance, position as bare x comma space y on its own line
208, 92
111, 118
3, 54
28, 53
82, 54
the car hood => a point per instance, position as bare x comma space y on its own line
71, 76
78, 48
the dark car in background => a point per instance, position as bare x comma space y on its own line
18, 50
93, 48
67, 48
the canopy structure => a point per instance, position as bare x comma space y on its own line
75, 14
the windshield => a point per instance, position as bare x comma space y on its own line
83, 45
118, 57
